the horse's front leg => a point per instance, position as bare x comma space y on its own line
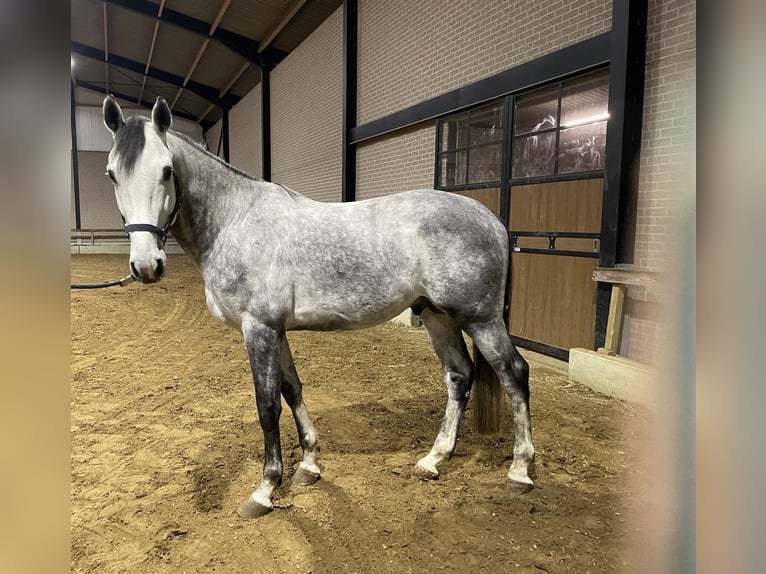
263, 349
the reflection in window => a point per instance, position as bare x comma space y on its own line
534, 156
585, 99
470, 147
536, 111
582, 148
570, 118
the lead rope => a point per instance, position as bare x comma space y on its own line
121, 282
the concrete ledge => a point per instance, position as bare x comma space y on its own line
614, 376
407, 317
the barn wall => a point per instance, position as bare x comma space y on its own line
668, 135
245, 134
306, 120
98, 207
212, 136
397, 162
412, 51
439, 47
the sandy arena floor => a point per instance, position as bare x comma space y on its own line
165, 445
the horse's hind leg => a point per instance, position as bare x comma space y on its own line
308, 471
447, 340
513, 371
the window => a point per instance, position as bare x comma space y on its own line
561, 129
557, 130
470, 147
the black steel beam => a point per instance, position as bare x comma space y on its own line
568, 61
207, 93
75, 165
145, 103
242, 45
541, 348
627, 52
350, 52
225, 135
266, 123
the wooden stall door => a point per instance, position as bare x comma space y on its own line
553, 298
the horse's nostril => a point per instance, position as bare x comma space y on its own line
160, 268
136, 274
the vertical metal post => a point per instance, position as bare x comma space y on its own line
507, 157
266, 122
225, 134
627, 55
350, 51
75, 164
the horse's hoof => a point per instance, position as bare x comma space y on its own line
252, 509
423, 473
304, 477
518, 486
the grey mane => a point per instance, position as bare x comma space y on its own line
186, 139
129, 141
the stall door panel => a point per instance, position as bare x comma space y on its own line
553, 297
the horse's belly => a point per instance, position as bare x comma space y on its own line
217, 311
345, 316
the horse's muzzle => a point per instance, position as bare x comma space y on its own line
148, 272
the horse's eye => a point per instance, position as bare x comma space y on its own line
110, 173
167, 172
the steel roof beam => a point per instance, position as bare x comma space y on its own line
151, 48
204, 91
284, 21
201, 51
242, 45
132, 100
106, 46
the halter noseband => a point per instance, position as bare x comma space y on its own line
160, 232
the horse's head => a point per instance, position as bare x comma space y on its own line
140, 166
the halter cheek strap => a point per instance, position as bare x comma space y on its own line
160, 232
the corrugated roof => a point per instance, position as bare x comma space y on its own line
183, 30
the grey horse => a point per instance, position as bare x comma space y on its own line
274, 261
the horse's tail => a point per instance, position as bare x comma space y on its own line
488, 396
488, 393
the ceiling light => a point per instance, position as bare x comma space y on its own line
587, 120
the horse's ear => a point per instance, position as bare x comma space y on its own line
161, 116
112, 114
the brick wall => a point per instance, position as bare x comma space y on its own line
245, 136
412, 51
666, 163
397, 162
306, 120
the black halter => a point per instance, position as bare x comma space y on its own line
160, 232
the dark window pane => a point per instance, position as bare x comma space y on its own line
534, 155
585, 99
487, 124
452, 169
582, 148
454, 132
484, 164
537, 110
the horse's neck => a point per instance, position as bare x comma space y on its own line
210, 194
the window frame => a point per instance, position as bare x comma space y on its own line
508, 106
500, 143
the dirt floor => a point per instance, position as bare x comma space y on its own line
166, 444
